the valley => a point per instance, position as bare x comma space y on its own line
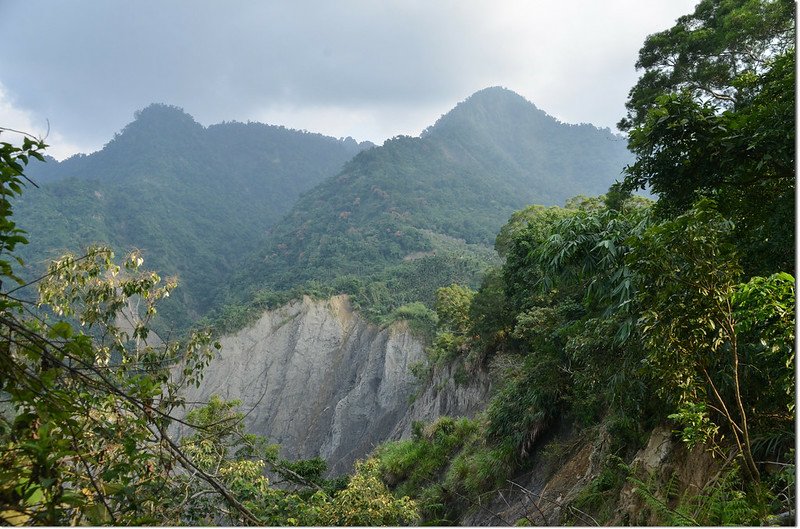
505, 320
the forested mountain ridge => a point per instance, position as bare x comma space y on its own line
642, 353
393, 212
547, 160
628, 362
193, 199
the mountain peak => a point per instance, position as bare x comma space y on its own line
497, 94
155, 124
489, 107
161, 114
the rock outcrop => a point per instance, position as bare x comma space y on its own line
546, 494
318, 379
452, 392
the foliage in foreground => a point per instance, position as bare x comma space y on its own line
613, 316
274, 490
89, 395
684, 311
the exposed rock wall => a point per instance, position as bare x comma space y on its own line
448, 392
318, 379
664, 458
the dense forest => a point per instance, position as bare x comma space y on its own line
605, 317
617, 314
415, 214
193, 200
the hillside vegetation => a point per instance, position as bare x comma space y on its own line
193, 200
606, 320
617, 315
415, 214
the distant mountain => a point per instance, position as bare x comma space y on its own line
193, 199
526, 153
405, 205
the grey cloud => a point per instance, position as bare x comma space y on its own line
89, 64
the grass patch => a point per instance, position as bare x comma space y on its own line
412, 464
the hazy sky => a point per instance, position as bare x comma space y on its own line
367, 69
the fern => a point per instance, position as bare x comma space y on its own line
650, 493
722, 502
671, 490
600, 495
725, 503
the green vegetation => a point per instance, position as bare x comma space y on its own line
615, 317
441, 465
713, 116
416, 462
616, 312
401, 220
88, 402
613, 314
192, 200
243, 462
205, 205
724, 503
600, 496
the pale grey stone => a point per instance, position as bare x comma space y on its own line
317, 378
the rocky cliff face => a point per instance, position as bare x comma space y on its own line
451, 392
318, 379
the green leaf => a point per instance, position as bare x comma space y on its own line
61, 329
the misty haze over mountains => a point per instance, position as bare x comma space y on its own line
483, 323
218, 206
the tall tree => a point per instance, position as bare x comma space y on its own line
708, 50
713, 116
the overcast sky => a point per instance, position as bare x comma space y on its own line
367, 69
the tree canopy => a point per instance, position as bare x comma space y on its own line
714, 116
618, 314
707, 53
90, 393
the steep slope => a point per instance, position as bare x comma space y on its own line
193, 199
527, 153
316, 378
412, 199
560, 490
396, 223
